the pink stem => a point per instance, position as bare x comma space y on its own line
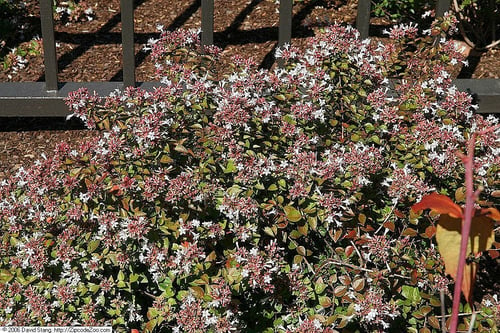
466, 225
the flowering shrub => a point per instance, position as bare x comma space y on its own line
73, 11
265, 201
17, 36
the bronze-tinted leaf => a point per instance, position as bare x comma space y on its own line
345, 280
430, 231
358, 284
434, 322
325, 301
409, 232
303, 229
440, 204
389, 225
349, 250
340, 291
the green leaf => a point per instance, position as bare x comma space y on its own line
94, 288
230, 167
319, 286
292, 214
411, 293
5, 276
133, 277
280, 97
375, 139
272, 187
92, 245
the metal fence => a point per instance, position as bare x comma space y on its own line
45, 99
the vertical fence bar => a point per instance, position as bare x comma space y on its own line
49, 45
442, 6
128, 52
363, 18
207, 22
285, 27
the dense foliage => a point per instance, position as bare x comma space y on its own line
406, 10
266, 201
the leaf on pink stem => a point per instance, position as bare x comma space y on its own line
448, 238
492, 213
439, 203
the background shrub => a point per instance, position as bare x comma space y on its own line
266, 201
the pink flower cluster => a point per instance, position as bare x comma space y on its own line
374, 311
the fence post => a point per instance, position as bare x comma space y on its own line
441, 7
128, 52
285, 27
363, 18
49, 45
207, 22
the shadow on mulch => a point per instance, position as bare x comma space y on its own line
22, 124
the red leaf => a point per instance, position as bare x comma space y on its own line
492, 213
399, 214
351, 234
348, 250
493, 254
390, 225
430, 231
439, 203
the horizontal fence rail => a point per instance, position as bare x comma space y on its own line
46, 99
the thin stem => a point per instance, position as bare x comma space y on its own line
472, 322
443, 312
359, 268
466, 224
359, 254
463, 314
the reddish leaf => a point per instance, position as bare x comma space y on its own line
368, 228
283, 224
358, 284
389, 225
337, 235
434, 322
414, 276
430, 231
409, 232
441, 204
351, 234
493, 254
399, 214
340, 291
491, 213
348, 250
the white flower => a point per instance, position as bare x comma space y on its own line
371, 315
